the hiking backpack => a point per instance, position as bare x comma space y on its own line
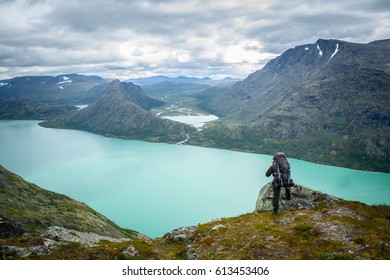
282, 170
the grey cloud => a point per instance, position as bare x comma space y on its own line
294, 23
96, 33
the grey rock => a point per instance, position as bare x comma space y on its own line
130, 252
218, 227
301, 198
191, 255
24, 252
183, 234
328, 199
282, 222
8, 250
61, 234
39, 250
49, 243
269, 239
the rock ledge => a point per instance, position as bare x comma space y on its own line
301, 198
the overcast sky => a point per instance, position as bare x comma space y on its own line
126, 39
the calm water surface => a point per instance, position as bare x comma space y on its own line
154, 188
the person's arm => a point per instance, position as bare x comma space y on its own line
269, 171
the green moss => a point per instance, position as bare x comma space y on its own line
305, 231
335, 256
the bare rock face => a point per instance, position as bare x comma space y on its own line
61, 234
301, 198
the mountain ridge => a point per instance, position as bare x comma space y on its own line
325, 102
62, 89
181, 80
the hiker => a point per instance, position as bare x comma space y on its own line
280, 169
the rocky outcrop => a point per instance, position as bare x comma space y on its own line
184, 235
24, 252
301, 198
181, 234
55, 236
64, 235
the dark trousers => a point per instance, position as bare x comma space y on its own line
275, 199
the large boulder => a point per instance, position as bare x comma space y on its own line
301, 198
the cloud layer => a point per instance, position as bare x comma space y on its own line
123, 39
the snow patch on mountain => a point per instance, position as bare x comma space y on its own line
334, 53
64, 79
319, 50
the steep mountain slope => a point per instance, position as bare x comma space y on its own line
62, 89
348, 69
121, 111
326, 102
27, 208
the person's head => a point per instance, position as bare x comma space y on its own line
279, 155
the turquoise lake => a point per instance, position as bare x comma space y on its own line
153, 187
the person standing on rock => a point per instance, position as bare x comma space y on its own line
280, 169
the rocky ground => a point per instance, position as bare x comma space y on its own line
316, 227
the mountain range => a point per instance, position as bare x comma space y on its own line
326, 102
68, 89
121, 111
183, 80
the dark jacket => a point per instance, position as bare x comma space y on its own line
270, 171
282, 179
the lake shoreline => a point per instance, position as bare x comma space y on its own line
96, 169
